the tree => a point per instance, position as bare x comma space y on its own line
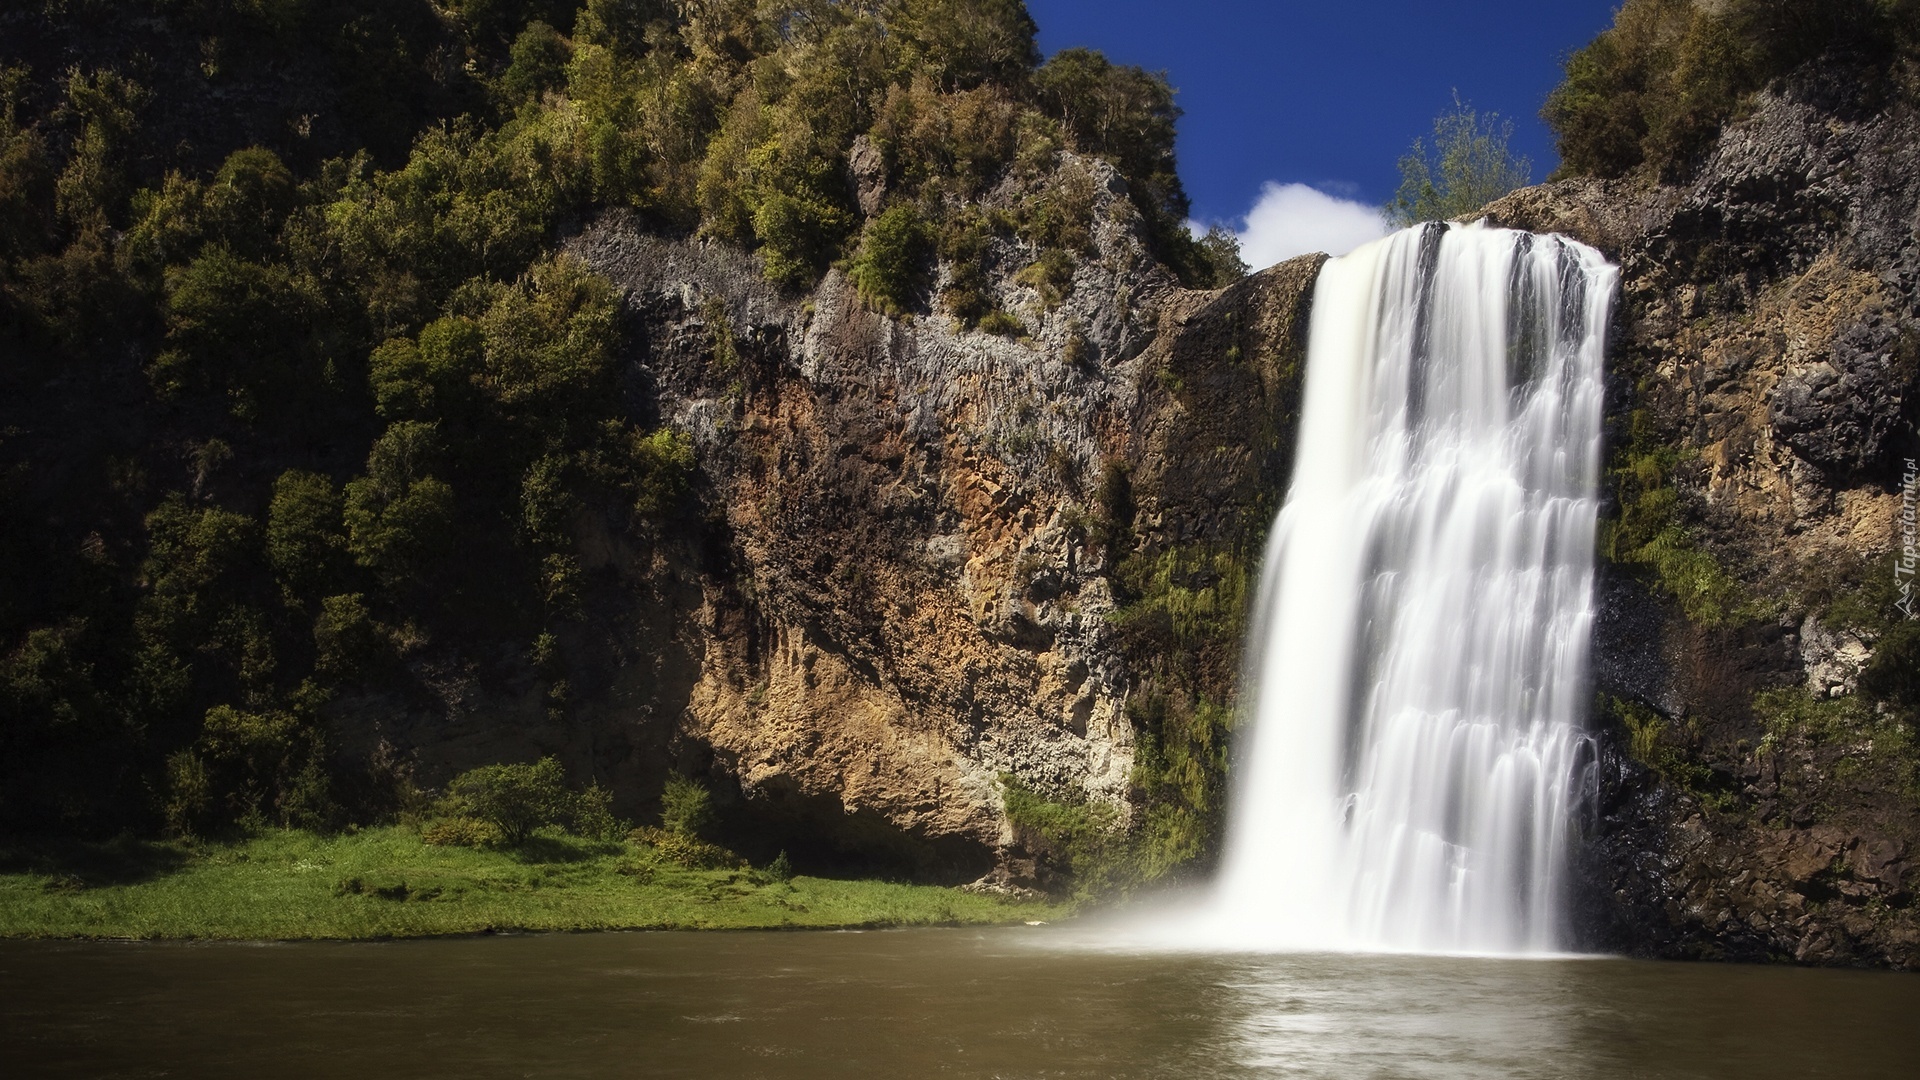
1468, 166
685, 807
305, 543
516, 799
890, 269
1220, 251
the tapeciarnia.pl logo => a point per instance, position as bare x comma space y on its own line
1903, 567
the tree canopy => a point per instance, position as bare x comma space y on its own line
1466, 166
299, 399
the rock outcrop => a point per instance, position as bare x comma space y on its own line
1752, 806
905, 569
925, 551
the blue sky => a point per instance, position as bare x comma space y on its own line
1328, 94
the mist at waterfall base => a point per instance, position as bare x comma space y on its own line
1412, 761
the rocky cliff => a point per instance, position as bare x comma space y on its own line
934, 562
1757, 802
930, 561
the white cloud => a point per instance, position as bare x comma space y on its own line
1294, 219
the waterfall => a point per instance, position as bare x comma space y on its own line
1412, 757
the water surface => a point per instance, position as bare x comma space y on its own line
1001, 1003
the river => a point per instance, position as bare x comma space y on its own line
1018, 1002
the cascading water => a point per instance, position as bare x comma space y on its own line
1420, 636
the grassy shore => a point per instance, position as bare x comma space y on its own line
387, 883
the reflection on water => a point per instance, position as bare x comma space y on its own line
924, 1003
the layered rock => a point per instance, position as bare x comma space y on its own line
906, 587
905, 567
1766, 356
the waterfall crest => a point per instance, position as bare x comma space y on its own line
1412, 759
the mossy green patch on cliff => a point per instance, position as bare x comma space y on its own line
1650, 533
1179, 795
1856, 742
1188, 595
1668, 749
281, 885
1180, 773
1077, 837
1185, 609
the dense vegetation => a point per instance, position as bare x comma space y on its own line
508, 847
1653, 91
298, 396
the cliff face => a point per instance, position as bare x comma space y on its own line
1755, 803
932, 562
903, 589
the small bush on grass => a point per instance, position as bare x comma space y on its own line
462, 832
686, 851
781, 868
513, 801
685, 807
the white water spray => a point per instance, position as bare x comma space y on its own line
1417, 665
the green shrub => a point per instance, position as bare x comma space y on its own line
550, 342
403, 536
400, 521
347, 642
661, 467
517, 799
238, 332
592, 815
1893, 674
687, 851
1221, 251
799, 233
1468, 166
965, 245
538, 63
107, 107
1124, 114
463, 832
1051, 276
249, 768
1000, 323
249, 200
200, 622
1656, 87
890, 269
26, 174
781, 868
305, 542
686, 807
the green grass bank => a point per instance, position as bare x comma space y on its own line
384, 883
